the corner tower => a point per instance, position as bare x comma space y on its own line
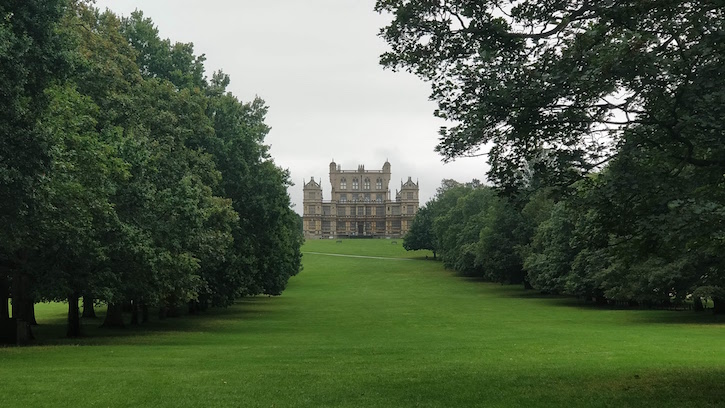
312, 208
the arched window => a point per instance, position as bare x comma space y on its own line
379, 184
367, 184
355, 184
343, 184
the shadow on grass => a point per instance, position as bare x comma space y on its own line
213, 320
563, 387
639, 314
422, 258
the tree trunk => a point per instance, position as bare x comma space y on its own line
88, 310
134, 313
193, 307
20, 308
163, 311
30, 306
172, 310
718, 305
114, 316
144, 312
434, 255
74, 316
4, 296
698, 306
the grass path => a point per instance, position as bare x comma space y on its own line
358, 256
369, 332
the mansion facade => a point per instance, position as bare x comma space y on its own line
360, 205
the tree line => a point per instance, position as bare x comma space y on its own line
127, 176
604, 125
578, 244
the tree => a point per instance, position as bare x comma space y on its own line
663, 219
31, 58
266, 250
77, 211
420, 235
503, 235
549, 261
572, 77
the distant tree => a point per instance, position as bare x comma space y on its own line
461, 211
420, 236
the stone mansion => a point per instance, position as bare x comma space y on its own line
360, 205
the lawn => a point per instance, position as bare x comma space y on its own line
393, 330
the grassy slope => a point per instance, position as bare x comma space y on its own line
376, 332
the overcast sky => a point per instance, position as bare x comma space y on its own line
315, 63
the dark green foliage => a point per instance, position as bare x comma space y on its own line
628, 93
551, 254
421, 236
476, 232
32, 58
527, 75
147, 185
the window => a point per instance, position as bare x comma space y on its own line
326, 226
312, 225
355, 198
341, 225
380, 210
343, 198
411, 209
311, 194
379, 184
340, 211
343, 184
380, 226
396, 224
355, 184
360, 210
326, 210
396, 210
411, 195
368, 210
367, 184
379, 198
310, 209
367, 197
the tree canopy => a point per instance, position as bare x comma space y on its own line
575, 78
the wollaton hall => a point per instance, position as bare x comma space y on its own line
360, 205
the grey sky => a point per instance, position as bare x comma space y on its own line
315, 63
